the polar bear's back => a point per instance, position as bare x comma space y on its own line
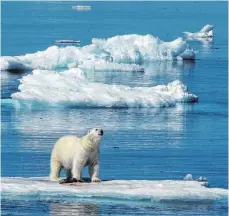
65, 147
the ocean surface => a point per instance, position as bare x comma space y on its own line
149, 134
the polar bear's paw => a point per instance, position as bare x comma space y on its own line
95, 179
70, 180
77, 180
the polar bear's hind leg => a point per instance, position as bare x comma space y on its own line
55, 170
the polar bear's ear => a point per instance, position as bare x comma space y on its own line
89, 131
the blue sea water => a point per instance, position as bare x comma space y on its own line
149, 144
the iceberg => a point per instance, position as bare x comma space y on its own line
125, 49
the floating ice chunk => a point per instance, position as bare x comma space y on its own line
188, 177
201, 178
42, 188
205, 32
71, 88
67, 41
125, 49
82, 7
188, 54
51, 58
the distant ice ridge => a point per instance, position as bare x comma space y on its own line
204, 33
125, 49
71, 88
173, 190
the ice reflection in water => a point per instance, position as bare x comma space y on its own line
51, 124
156, 72
72, 209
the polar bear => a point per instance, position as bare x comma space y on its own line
73, 153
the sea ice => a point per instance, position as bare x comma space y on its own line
173, 190
204, 33
71, 88
104, 54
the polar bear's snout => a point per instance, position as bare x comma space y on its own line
100, 132
96, 132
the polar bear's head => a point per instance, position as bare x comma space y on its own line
95, 134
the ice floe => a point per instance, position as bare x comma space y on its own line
115, 51
173, 190
205, 33
71, 88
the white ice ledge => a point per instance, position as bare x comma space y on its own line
147, 190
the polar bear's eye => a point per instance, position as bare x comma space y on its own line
96, 129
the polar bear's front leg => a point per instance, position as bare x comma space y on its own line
77, 171
94, 172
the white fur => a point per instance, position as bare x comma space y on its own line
73, 153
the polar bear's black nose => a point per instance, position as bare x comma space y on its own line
101, 132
